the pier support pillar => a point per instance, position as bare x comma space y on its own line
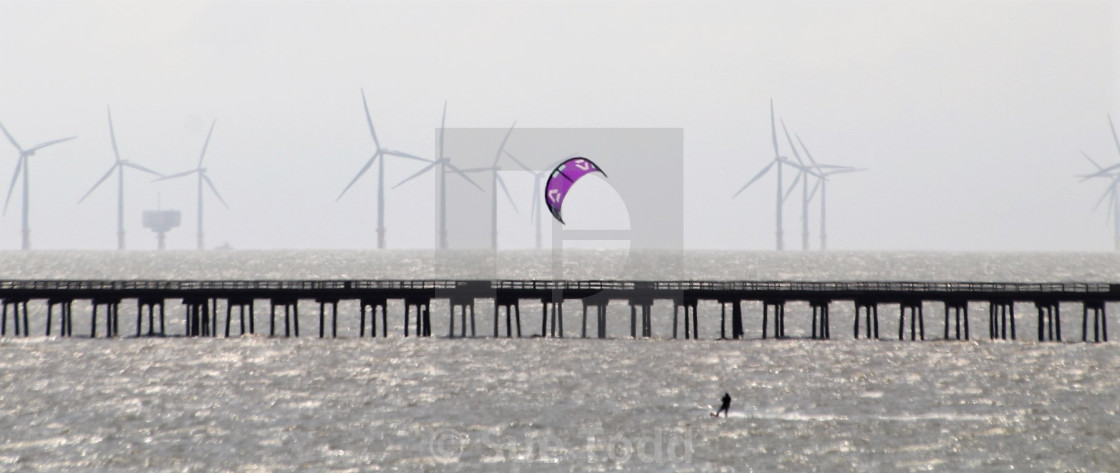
291, 316
999, 314
957, 307
736, 319
112, 317
423, 316
557, 320
1050, 321
18, 306
602, 320
871, 309
917, 320
199, 322
463, 305
600, 306
691, 320
1100, 321
640, 321
722, 320
241, 305
322, 317
373, 304
513, 316
65, 321
737, 331
821, 321
779, 318
141, 304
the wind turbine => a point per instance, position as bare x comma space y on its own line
444, 164
538, 177
803, 173
1112, 193
118, 166
202, 177
495, 181
378, 152
22, 165
823, 172
779, 160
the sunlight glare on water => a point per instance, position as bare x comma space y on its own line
256, 403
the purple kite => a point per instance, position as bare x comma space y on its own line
561, 180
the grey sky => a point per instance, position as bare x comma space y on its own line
970, 114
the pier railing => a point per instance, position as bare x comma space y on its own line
681, 285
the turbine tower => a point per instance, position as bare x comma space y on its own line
22, 165
824, 171
444, 164
496, 181
1112, 192
779, 160
378, 152
803, 173
118, 166
202, 178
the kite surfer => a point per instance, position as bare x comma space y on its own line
725, 405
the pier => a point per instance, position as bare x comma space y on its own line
201, 317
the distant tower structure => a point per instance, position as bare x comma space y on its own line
161, 221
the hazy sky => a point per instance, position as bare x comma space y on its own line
970, 114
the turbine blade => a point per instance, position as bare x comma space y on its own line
803, 148
417, 174
791, 146
10, 138
464, 175
1102, 173
365, 106
401, 154
51, 142
816, 187
773, 130
214, 189
207, 143
501, 148
1106, 193
792, 186
1112, 128
99, 181
846, 170
755, 178
358, 175
442, 122
518, 161
502, 184
15, 176
140, 168
112, 134
173, 176
1098, 166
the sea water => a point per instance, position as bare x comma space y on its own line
255, 403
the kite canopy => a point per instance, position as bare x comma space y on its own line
561, 180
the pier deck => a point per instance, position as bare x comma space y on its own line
202, 318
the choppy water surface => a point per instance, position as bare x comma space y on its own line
258, 404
